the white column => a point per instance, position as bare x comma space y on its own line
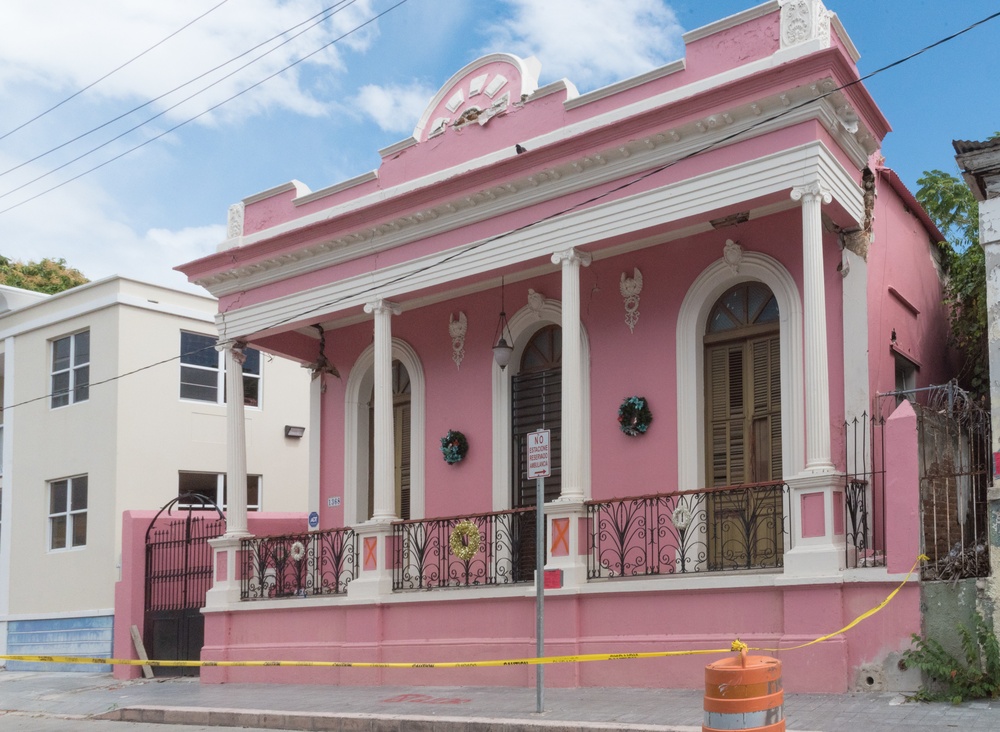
573, 424
384, 491
817, 377
236, 440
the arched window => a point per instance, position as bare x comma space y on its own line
743, 425
743, 383
536, 403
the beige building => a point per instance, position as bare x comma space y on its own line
114, 399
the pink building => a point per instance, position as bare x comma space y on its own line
718, 237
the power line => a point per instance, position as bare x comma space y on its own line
598, 197
113, 71
325, 13
185, 122
637, 179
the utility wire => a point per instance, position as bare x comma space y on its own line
594, 199
113, 71
325, 13
173, 106
478, 245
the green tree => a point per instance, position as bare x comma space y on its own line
951, 205
47, 275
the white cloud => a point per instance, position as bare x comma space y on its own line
394, 108
64, 45
590, 42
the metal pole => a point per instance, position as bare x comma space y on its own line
539, 593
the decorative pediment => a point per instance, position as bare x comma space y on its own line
480, 91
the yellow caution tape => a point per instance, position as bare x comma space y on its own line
737, 646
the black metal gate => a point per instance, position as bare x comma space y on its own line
178, 576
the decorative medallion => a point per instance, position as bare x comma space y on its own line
804, 20
536, 301
234, 226
457, 330
630, 287
732, 253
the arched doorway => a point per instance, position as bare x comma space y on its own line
401, 430
536, 403
743, 424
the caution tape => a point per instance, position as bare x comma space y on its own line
737, 646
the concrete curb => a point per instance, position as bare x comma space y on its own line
311, 721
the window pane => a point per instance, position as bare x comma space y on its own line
199, 350
251, 391
60, 354
252, 363
79, 529
57, 497
199, 384
205, 485
81, 390
58, 531
60, 384
253, 492
82, 348
78, 500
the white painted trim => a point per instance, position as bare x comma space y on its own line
528, 68
732, 21
315, 443
7, 445
691, 322
523, 325
356, 391
300, 188
658, 73
695, 196
562, 85
66, 615
336, 188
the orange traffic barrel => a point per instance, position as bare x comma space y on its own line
744, 693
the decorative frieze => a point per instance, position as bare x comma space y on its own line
457, 330
630, 287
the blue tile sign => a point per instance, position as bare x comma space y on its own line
313, 520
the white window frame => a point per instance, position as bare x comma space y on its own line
219, 497
218, 369
69, 514
77, 373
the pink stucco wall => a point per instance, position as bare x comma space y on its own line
463, 628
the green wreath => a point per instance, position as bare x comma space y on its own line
634, 416
464, 540
454, 446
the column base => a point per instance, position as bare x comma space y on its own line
564, 518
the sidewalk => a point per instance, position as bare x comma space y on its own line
451, 709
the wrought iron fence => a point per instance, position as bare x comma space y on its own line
710, 530
299, 565
864, 491
461, 551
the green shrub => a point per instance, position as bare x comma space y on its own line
954, 680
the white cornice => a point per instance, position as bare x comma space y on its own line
725, 188
598, 121
638, 155
337, 188
300, 188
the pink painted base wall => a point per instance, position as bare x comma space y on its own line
464, 628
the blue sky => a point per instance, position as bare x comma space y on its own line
325, 119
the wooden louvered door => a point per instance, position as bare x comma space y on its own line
744, 443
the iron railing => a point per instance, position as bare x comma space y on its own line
424, 557
864, 491
299, 565
710, 530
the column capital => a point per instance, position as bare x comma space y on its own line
380, 306
812, 191
236, 346
572, 256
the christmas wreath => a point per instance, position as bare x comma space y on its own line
454, 446
634, 416
464, 541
